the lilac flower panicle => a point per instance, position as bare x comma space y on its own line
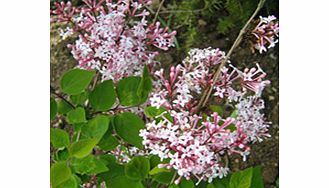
195, 146
266, 33
114, 38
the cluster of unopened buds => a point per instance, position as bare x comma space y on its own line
266, 33
195, 145
113, 37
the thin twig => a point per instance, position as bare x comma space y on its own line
95, 81
180, 11
173, 178
157, 13
53, 91
206, 94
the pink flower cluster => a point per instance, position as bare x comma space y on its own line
266, 33
193, 144
114, 38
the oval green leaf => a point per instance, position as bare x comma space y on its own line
76, 81
127, 125
59, 138
241, 179
137, 168
70, 183
77, 115
103, 96
96, 127
59, 173
127, 91
82, 148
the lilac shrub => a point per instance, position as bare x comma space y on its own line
139, 121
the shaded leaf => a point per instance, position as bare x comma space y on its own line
257, 180
127, 126
89, 165
103, 96
63, 107
137, 168
79, 99
123, 181
53, 108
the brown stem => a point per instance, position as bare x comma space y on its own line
173, 178
206, 94
95, 81
53, 91
157, 13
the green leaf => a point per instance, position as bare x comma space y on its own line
186, 183
103, 96
79, 99
164, 177
210, 185
76, 81
77, 115
59, 138
157, 170
152, 111
231, 127
241, 179
137, 168
63, 107
59, 173
127, 91
145, 85
127, 126
154, 161
216, 108
53, 108
123, 181
70, 183
222, 183
257, 180
115, 168
89, 165
82, 148
234, 114
96, 127
108, 141
62, 155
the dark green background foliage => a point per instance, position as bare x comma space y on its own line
195, 20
